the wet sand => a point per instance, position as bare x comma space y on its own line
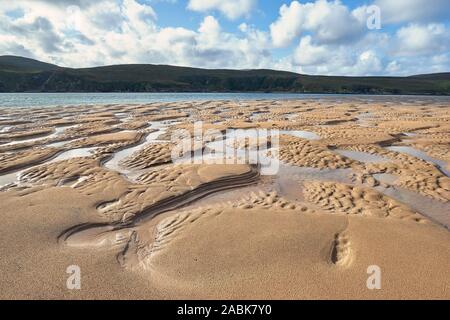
359, 184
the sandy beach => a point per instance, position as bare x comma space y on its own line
360, 183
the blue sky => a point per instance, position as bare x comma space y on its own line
329, 37
175, 13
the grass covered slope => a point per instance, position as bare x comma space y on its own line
18, 74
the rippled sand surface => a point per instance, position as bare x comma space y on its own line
360, 183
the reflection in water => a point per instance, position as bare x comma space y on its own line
386, 178
114, 163
14, 177
8, 178
362, 156
58, 131
437, 211
442, 165
74, 153
301, 134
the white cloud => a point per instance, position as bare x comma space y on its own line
376, 54
415, 39
368, 62
327, 21
243, 27
327, 38
419, 65
288, 26
308, 54
210, 30
396, 11
393, 67
125, 31
333, 40
358, 58
232, 9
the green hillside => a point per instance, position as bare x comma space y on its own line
19, 74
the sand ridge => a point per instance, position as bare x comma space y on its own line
342, 201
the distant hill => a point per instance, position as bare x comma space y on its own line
20, 64
18, 74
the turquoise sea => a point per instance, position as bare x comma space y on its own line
63, 99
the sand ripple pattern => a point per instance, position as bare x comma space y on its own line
303, 153
413, 174
152, 155
352, 200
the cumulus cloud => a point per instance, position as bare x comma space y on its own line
308, 54
332, 59
317, 37
417, 39
232, 9
328, 21
124, 31
413, 10
334, 40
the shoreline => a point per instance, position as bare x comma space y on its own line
171, 95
